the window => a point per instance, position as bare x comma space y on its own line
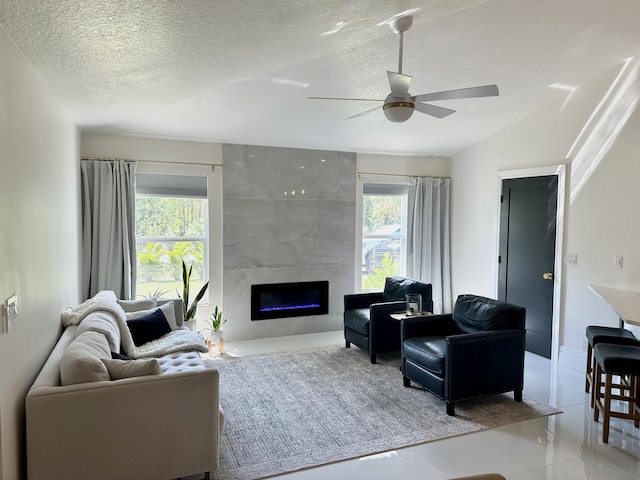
384, 232
171, 226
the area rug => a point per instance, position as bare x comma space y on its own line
294, 410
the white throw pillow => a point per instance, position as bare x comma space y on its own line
82, 360
119, 369
167, 309
137, 305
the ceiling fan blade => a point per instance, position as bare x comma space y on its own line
484, 91
353, 99
399, 84
434, 111
364, 113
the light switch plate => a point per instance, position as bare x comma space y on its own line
570, 259
10, 310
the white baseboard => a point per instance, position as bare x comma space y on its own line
572, 358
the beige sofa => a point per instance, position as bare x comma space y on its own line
154, 426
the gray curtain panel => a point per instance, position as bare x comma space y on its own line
429, 243
108, 227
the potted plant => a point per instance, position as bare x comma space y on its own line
190, 310
217, 321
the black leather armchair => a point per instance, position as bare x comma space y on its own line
478, 350
367, 320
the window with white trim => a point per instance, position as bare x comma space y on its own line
384, 232
171, 226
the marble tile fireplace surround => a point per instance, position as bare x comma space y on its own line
289, 217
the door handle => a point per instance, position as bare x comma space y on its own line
547, 276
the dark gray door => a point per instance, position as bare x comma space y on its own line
527, 254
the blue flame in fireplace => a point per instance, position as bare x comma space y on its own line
290, 307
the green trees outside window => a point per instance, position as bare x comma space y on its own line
383, 238
168, 231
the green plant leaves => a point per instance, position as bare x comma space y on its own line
190, 311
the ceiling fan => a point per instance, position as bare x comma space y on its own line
399, 104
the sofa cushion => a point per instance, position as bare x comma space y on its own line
104, 323
358, 320
137, 305
148, 328
82, 360
395, 288
168, 310
473, 313
119, 369
181, 362
428, 352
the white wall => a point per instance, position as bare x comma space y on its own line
39, 236
403, 165
601, 221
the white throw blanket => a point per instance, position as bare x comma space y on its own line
105, 301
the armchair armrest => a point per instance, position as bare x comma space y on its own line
361, 300
381, 309
479, 337
489, 348
381, 323
431, 325
484, 362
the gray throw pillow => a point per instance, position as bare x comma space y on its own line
82, 360
119, 369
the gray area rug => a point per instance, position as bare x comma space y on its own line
293, 410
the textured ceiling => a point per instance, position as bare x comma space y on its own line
241, 71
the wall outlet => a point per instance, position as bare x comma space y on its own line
617, 262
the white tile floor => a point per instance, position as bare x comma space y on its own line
566, 446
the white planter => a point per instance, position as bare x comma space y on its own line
191, 325
216, 338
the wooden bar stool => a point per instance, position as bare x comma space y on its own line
597, 334
616, 360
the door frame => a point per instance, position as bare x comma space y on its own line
560, 172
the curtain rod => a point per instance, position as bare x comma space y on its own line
155, 161
398, 175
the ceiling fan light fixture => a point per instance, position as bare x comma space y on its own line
398, 112
401, 24
399, 105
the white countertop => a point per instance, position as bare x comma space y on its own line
624, 303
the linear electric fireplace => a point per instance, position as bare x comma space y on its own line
279, 300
